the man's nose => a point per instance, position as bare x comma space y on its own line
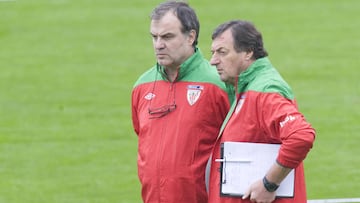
159, 44
214, 60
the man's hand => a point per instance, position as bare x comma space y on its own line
257, 193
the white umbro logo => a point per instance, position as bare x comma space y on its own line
149, 96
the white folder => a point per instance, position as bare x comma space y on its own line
242, 163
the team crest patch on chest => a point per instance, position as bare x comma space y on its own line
240, 104
193, 93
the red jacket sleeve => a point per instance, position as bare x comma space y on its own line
283, 121
134, 111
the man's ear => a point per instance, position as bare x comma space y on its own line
249, 55
192, 36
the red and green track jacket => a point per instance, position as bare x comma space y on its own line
174, 143
265, 112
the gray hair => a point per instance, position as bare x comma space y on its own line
183, 12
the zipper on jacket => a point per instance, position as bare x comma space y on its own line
170, 100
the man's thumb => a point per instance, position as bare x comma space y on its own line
246, 195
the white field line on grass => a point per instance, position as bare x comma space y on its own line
334, 200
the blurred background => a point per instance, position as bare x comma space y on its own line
68, 67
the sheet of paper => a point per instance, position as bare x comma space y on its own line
243, 163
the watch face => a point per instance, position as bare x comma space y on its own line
271, 187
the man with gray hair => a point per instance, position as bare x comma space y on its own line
177, 109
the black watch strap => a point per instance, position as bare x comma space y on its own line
269, 186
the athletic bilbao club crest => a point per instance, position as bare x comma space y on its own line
193, 93
240, 104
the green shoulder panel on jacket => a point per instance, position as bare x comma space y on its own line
204, 73
261, 76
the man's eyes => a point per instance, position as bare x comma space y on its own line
219, 52
165, 37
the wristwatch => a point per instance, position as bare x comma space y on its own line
270, 187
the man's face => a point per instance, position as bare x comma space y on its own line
171, 46
228, 62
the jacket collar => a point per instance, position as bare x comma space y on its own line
251, 72
186, 67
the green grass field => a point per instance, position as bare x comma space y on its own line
67, 70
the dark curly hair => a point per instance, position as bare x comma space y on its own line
246, 37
